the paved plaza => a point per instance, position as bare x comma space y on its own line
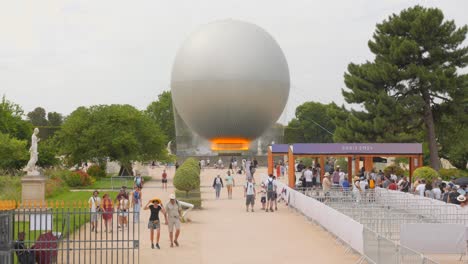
223, 232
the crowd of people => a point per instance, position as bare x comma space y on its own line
365, 182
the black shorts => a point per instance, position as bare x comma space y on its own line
309, 184
164, 180
263, 200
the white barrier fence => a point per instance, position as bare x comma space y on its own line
342, 226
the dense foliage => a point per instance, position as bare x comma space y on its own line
187, 176
161, 111
118, 132
426, 173
393, 169
414, 72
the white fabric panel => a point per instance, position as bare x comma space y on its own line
434, 238
335, 222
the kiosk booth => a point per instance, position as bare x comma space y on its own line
357, 151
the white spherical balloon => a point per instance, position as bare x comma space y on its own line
230, 79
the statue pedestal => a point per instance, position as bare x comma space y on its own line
33, 188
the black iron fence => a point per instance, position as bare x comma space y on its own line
67, 232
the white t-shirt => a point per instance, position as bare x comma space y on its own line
249, 186
308, 175
342, 176
94, 202
421, 188
363, 184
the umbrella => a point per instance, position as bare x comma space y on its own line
461, 181
46, 248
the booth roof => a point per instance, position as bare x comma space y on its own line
279, 148
357, 148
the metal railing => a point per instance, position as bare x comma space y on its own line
382, 212
61, 232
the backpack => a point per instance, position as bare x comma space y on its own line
270, 186
371, 184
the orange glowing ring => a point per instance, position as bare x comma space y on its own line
228, 144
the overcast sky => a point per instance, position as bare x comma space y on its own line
62, 54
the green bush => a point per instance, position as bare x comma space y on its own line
76, 178
394, 169
343, 163
446, 174
186, 179
96, 171
55, 186
426, 173
306, 161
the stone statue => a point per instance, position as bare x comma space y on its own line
31, 167
168, 148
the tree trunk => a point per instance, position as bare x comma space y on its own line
431, 136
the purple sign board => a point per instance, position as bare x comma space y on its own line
357, 148
279, 148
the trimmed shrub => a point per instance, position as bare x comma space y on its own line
186, 179
426, 173
394, 169
96, 171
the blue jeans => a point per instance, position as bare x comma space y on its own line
136, 213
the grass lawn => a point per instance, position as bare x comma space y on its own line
114, 183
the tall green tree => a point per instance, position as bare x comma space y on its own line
54, 119
162, 113
118, 132
38, 117
13, 154
11, 120
415, 69
313, 123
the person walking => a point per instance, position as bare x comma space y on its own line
229, 184
136, 203
138, 181
108, 211
249, 194
155, 206
164, 180
217, 185
270, 184
173, 215
95, 207
263, 195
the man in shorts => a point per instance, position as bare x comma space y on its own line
173, 218
94, 205
249, 194
270, 184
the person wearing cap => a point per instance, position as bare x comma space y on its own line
173, 217
155, 206
95, 206
121, 201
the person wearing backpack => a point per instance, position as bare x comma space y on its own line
136, 203
270, 184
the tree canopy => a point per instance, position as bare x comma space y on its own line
11, 120
313, 123
414, 72
162, 113
118, 132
